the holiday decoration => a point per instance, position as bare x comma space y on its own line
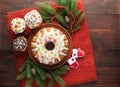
20, 43
76, 53
33, 19
39, 75
18, 25
66, 14
73, 63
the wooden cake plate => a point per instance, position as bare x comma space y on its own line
63, 61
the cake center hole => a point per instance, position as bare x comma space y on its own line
49, 45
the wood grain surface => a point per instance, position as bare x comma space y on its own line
103, 18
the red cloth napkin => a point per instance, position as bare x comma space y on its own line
81, 39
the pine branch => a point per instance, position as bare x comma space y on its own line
68, 4
23, 66
73, 6
59, 80
62, 2
29, 82
39, 82
77, 28
40, 71
46, 17
82, 16
77, 13
62, 70
28, 69
51, 82
46, 8
79, 21
61, 20
34, 66
21, 75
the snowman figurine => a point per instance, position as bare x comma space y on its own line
77, 53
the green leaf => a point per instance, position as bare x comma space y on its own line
29, 72
39, 82
68, 4
79, 21
35, 66
62, 2
41, 8
82, 16
73, 5
23, 66
49, 9
58, 2
45, 8
21, 75
42, 73
61, 20
59, 80
77, 28
39, 70
29, 82
51, 82
47, 21
46, 17
62, 70
77, 13
67, 12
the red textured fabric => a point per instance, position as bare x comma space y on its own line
81, 39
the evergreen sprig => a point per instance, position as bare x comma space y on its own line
47, 12
40, 74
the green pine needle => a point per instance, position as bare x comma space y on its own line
68, 4
21, 75
39, 82
73, 5
61, 20
62, 2
77, 13
49, 9
51, 82
58, 2
34, 66
46, 17
46, 8
59, 80
29, 82
78, 22
28, 69
81, 18
23, 66
42, 73
62, 70
77, 28
47, 21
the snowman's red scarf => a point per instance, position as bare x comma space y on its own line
72, 23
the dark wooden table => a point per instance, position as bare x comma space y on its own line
104, 26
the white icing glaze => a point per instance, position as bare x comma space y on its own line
18, 25
47, 56
33, 19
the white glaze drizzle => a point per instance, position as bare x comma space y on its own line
47, 56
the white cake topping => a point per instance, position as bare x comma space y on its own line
33, 19
46, 55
